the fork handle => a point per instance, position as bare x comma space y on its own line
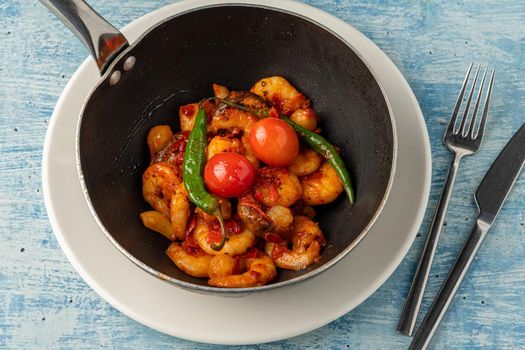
450, 286
408, 318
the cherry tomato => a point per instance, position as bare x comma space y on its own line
274, 142
228, 174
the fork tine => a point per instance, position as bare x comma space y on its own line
461, 129
454, 116
486, 106
471, 127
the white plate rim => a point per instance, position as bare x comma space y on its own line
306, 326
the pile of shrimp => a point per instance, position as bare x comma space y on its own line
272, 224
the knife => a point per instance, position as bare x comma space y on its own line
490, 196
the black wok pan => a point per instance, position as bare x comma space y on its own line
175, 63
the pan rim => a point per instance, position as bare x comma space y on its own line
240, 291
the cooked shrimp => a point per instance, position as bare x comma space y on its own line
307, 162
194, 262
235, 244
235, 121
276, 186
228, 118
260, 270
158, 136
252, 215
280, 217
226, 211
306, 118
307, 239
220, 91
187, 114
275, 211
224, 265
321, 187
157, 222
281, 94
220, 144
275, 219
173, 151
159, 182
179, 212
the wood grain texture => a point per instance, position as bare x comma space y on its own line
45, 304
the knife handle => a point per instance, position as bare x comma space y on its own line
450, 286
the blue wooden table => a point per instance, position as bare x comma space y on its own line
45, 304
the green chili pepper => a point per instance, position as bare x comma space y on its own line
316, 141
194, 161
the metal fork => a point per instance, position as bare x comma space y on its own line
463, 141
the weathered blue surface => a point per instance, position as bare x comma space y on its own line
45, 304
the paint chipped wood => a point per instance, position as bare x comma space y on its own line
45, 304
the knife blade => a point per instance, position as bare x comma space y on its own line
490, 196
496, 185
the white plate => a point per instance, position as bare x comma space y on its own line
256, 318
